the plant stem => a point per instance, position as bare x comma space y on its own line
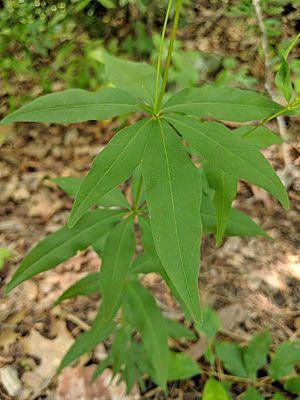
158, 67
278, 114
281, 112
169, 56
138, 195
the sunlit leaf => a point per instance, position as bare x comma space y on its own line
214, 390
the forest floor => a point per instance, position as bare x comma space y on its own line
253, 283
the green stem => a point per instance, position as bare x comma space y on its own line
138, 195
281, 112
158, 67
169, 56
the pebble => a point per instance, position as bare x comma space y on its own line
10, 380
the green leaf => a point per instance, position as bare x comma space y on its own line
75, 105
85, 286
119, 350
283, 80
177, 330
173, 192
63, 244
228, 104
260, 137
256, 353
71, 185
239, 223
292, 385
225, 187
231, 154
5, 254
286, 357
214, 390
211, 323
252, 394
149, 246
107, 3
151, 325
231, 356
100, 330
279, 396
101, 367
181, 366
135, 182
118, 252
111, 167
138, 78
145, 264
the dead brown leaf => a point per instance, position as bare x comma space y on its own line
50, 352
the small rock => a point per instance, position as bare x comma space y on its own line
10, 380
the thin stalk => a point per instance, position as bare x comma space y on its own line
278, 114
281, 112
138, 195
158, 67
169, 56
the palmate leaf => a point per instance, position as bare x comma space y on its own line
117, 254
111, 167
71, 185
149, 322
87, 285
64, 243
138, 77
223, 103
225, 187
173, 192
231, 154
100, 330
75, 105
